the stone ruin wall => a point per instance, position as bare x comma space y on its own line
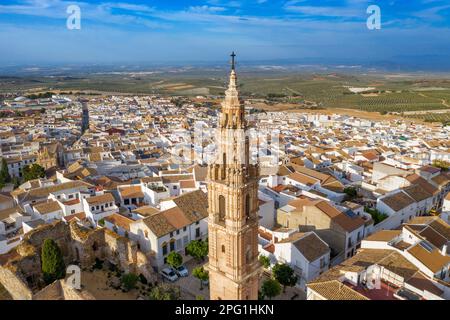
22, 277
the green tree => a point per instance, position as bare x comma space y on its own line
165, 292
174, 259
441, 164
32, 172
52, 262
265, 261
129, 281
351, 192
270, 288
197, 249
284, 274
4, 173
201, 274
16, 182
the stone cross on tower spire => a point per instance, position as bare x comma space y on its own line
233, 63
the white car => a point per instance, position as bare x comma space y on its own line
182, 271
169, 274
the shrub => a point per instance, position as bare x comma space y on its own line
129, 281
165, 292
265, 261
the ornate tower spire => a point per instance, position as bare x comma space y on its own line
233, 206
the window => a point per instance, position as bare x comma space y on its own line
126, 201
197, 233
172, 245
106, 205
178, 232
197, 223
223, 248
322, 262
174, 187
164, 249
247, 206
184, 228
171, 234
70, 196
97, 207
221, 208
92, 208
72, 211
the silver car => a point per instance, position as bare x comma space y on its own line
182, 271
169, 274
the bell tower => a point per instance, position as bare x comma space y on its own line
234, 269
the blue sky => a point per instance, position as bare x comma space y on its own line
135, 31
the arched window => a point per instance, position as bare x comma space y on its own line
247, 206
221, 207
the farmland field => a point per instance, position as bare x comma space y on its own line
444, 118
384, 93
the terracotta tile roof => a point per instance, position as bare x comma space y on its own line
194, 204
433, 237
433, 259
79, 215
200, 173
5, 213
398, 201
301, 178
309, 244
417, 192
158, 224
104, 198
176, 178
71, 202
419, 281
384, 235
146, 210
335, 290
48, 207
176, 217
119, 220
131, 192
347, 223
190, 207
187, 184
43, 192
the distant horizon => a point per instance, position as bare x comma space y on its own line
412, 34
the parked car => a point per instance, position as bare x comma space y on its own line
182, 271
169, 274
